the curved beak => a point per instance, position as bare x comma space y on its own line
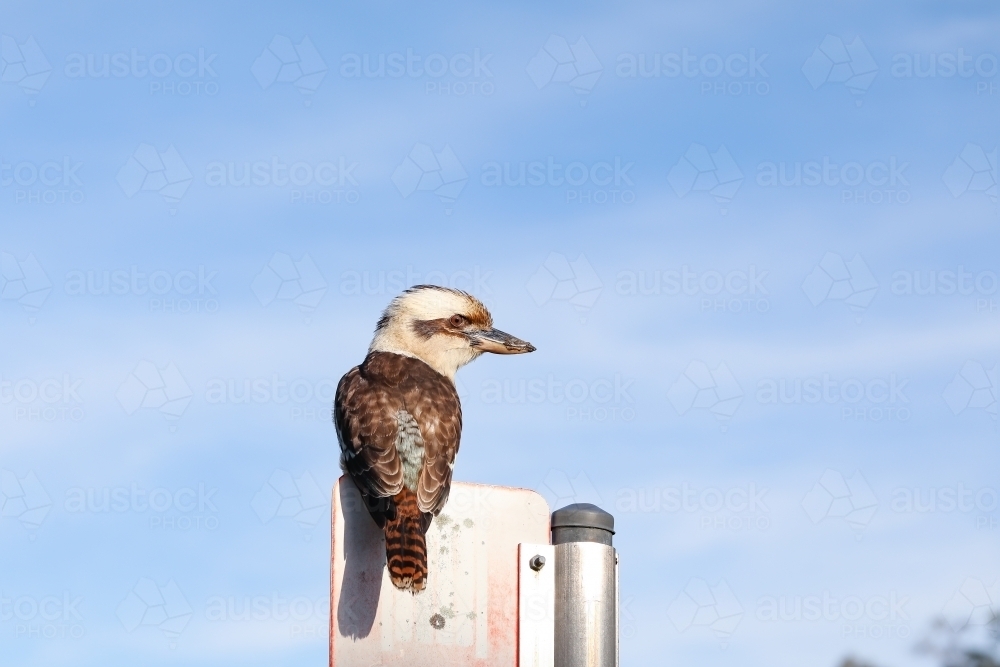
498, 342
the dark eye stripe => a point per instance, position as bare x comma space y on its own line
427, 328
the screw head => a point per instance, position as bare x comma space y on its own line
537, 562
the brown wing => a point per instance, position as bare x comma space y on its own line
365, 417
435, 406
368, 399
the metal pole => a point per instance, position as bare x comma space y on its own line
586, 587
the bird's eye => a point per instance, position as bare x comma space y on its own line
457, 321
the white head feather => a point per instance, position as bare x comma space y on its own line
399, 332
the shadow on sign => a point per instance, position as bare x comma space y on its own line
364, 561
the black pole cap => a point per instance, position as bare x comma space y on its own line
582, 522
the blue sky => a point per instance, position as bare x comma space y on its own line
682, 304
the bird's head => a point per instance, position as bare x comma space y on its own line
445, 328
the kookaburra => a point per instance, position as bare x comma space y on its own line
399, 420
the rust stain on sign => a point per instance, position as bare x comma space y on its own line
466, 616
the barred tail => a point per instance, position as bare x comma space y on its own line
405, 546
